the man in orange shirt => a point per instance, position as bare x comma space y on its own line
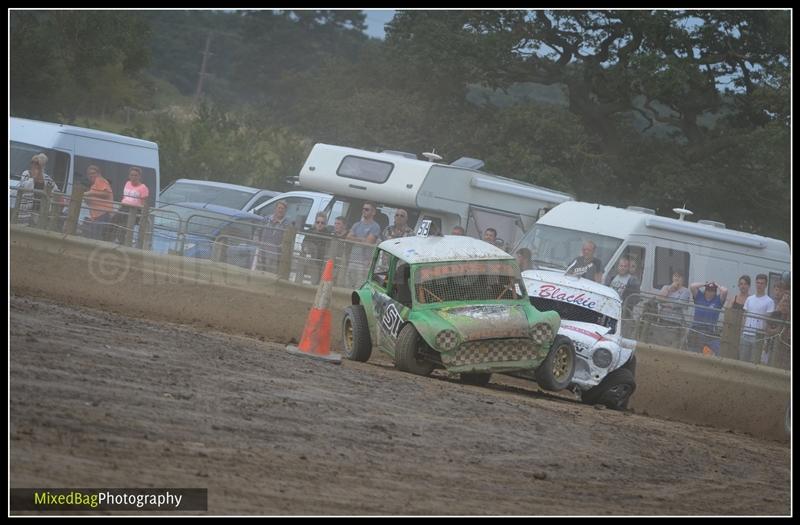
100, 200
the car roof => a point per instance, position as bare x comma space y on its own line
416, 250
190, 208
225, 185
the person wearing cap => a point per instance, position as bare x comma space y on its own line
708, 305
34, 178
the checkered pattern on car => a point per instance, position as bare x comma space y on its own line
446, 340
541, 333
492, 351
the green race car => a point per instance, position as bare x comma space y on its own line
456, 303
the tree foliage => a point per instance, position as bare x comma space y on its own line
650, 107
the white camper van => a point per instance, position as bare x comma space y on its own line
448, 194
702, 250
70, 150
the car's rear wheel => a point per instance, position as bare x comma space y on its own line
614, 391
475, 378
407, 356
555, 372
355, 332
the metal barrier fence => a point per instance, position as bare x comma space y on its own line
729, 333
299, 256
245, 242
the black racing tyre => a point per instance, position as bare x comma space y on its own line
355, 332
406, 356
475, 378
614, 391
555, 372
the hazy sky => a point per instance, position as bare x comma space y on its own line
375, 21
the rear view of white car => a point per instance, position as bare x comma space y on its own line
590, 316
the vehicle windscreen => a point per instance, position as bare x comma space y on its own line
574, 312
467, 281
555, 247
189, 192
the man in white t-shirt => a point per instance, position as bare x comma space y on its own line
753, 330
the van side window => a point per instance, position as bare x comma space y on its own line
116, 174
369, 170
669, 261
297, 209
57, 162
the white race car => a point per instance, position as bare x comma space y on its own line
590, 316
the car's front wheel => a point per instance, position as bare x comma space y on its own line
407, 356
555, 372
614, 391
355, 331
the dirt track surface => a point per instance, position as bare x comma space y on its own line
100, 399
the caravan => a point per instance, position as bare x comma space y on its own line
447, 194
702, 250
70, 150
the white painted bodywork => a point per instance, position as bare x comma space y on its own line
417, 250
588, 338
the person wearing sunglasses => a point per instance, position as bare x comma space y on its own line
314, 248
365, 232
400, 228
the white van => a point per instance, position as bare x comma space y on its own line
70, 150
702, 251
448, 194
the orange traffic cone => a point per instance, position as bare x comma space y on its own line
316, 340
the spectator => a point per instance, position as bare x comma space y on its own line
672, 312
400, 227
365, 231
457, 230
762, 304
100, 200
338, 247
708, 305
524, 257
778, 331
134, 198
34, 178
490, 235
587, 265
271, 237
738, 300
314, 247
777, 292
623, 281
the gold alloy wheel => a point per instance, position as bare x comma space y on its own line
348, 335
562, 362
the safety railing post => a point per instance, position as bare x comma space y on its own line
71, 224
287, 250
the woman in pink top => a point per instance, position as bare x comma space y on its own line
135, 196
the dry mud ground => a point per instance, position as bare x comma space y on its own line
100, 399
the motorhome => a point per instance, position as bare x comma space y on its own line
446, 194
70, 150
659, 246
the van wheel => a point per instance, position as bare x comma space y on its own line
355, 332
475, 378
555, 373
407, 355
614, 391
